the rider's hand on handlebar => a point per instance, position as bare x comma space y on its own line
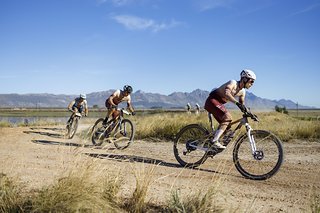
242, 107
133, 113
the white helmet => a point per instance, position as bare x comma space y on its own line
83, 96
248, 74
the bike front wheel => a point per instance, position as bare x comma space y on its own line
122, 136
98, 132
190, 145
267, 159
72, 127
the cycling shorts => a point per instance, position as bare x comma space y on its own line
215, 105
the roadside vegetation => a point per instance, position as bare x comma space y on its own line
90, 188
163, 125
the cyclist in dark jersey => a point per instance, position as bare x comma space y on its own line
78, 105
225, 93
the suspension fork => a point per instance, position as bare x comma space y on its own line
251, 139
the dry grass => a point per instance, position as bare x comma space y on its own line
11, 195
166, 125
5, 124
84, 188
137, 202
81, 190
196, 202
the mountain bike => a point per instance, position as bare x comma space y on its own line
72, 124
257, 154
119, 131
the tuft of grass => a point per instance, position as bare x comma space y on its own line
11, 196
137, 202
110, 188
194, 202
79, 191
5, 124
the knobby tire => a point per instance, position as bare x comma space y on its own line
188, 156
255, 169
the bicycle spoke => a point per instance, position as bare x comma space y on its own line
98, 133
267, 159
123, 135
190, 144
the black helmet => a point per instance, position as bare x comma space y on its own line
127, 89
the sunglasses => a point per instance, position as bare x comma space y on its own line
251, 81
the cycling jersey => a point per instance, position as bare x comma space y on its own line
76, 103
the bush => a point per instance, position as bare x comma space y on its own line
281, 109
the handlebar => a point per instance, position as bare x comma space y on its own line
251, 115
124, 111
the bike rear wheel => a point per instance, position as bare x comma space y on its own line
98, 132
122, 136
267, 159
188, 143
72, 127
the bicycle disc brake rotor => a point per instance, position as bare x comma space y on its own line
258, 155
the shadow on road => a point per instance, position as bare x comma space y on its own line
54, 135
48, 142
134, 158
48, 128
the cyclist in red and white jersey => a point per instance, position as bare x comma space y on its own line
115, 99
228, 92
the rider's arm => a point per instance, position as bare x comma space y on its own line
240, 104
71, 105
129, 105
242, 97
228, 94
86, 110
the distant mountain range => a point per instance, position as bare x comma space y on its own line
140, 100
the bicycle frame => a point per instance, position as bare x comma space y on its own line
242, 122
118, 130
118, 120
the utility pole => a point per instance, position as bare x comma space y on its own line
297, 109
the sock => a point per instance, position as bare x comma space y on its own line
217, 135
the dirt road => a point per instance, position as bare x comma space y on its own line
39, 155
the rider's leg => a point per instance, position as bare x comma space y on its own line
75, 109
221, 128
109, 112
225, 121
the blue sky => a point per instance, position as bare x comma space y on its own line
160, 46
